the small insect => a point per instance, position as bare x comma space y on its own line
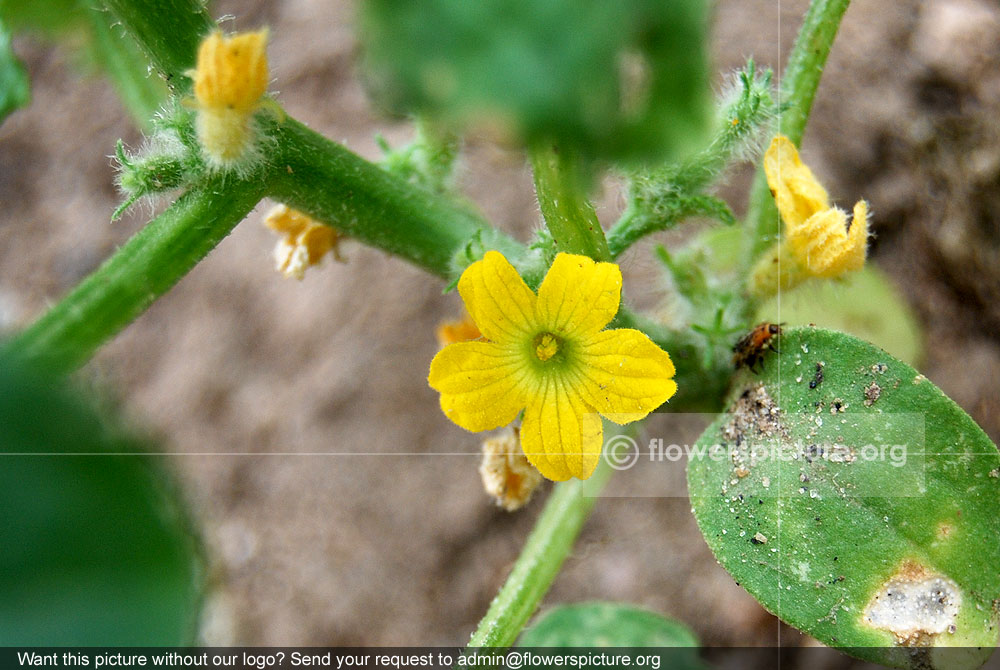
750, 349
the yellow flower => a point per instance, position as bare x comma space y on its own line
230, 81
825, 243
548, 355
305, 240
820, 241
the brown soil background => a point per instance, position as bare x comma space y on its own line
393, 550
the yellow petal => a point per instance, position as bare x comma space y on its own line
306, 240
796, 191
284, 219
825, 248
624, 375
856, 248
232, 71
498, 300
479, 383
578, 295
560, 435
317, 241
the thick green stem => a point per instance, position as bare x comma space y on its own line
311, 173
141, 92
547, 547
168, 32
148, 265
562, 196
372, 205
806, 63
798, 88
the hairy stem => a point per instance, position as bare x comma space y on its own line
142, 270
309, 172
798, 88
168, 32
544, 552
141, 93
562, 195
635, 223
372, 205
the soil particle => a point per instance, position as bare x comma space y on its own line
818, 377
872, 393
754, 414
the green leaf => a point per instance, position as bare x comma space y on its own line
15, 91
604, 624
857, 502
620, 80
864, 303
96, 547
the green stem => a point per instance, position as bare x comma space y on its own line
168, 32
141, 93
142, 270
635, 223
798, 88
806, 63
660, 198
547, 547
330, 183
311, 173
570, 217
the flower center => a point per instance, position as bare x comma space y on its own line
546, 346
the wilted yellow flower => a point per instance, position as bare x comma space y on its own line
305, 240
507, 475
230, 81
824, 241
548, 355
820, 241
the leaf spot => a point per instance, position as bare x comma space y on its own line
915, 605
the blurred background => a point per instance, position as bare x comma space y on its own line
258, 386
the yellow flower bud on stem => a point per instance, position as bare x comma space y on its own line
230, 81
